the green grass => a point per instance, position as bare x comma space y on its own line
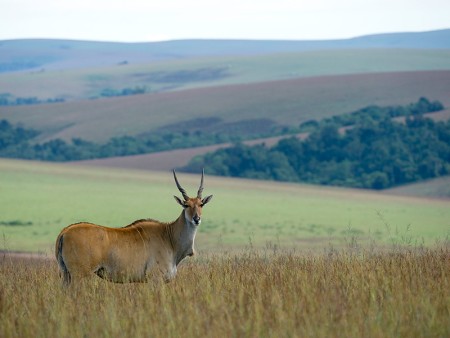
242, 213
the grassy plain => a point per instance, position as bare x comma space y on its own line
399, 293
38, 199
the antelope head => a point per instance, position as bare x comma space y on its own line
192, 205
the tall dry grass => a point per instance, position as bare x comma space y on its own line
244, 294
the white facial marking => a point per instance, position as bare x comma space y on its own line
188, 216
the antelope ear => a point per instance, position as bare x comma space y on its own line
206, 200
180, 202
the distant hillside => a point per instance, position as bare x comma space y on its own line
63, 54
439, 39
180, 74
278, 103
167, 160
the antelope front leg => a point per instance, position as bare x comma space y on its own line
169, 273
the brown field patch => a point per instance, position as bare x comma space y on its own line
160, 161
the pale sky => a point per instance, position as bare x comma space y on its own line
146, 20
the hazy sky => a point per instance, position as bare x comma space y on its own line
146, 20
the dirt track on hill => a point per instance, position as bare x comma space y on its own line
168, 160
161, 161
12, 256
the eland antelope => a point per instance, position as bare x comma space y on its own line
130, 253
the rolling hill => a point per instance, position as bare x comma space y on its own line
171, 159
174, 75
64, 54
284, 103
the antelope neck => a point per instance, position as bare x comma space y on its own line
181, 236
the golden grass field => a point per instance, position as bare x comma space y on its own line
348, 293
274, 260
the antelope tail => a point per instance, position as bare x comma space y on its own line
64, 271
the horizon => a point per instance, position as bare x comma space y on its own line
230, 39
281, 20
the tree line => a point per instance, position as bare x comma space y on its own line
7, 99
376, 152
19, 142
110, 92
